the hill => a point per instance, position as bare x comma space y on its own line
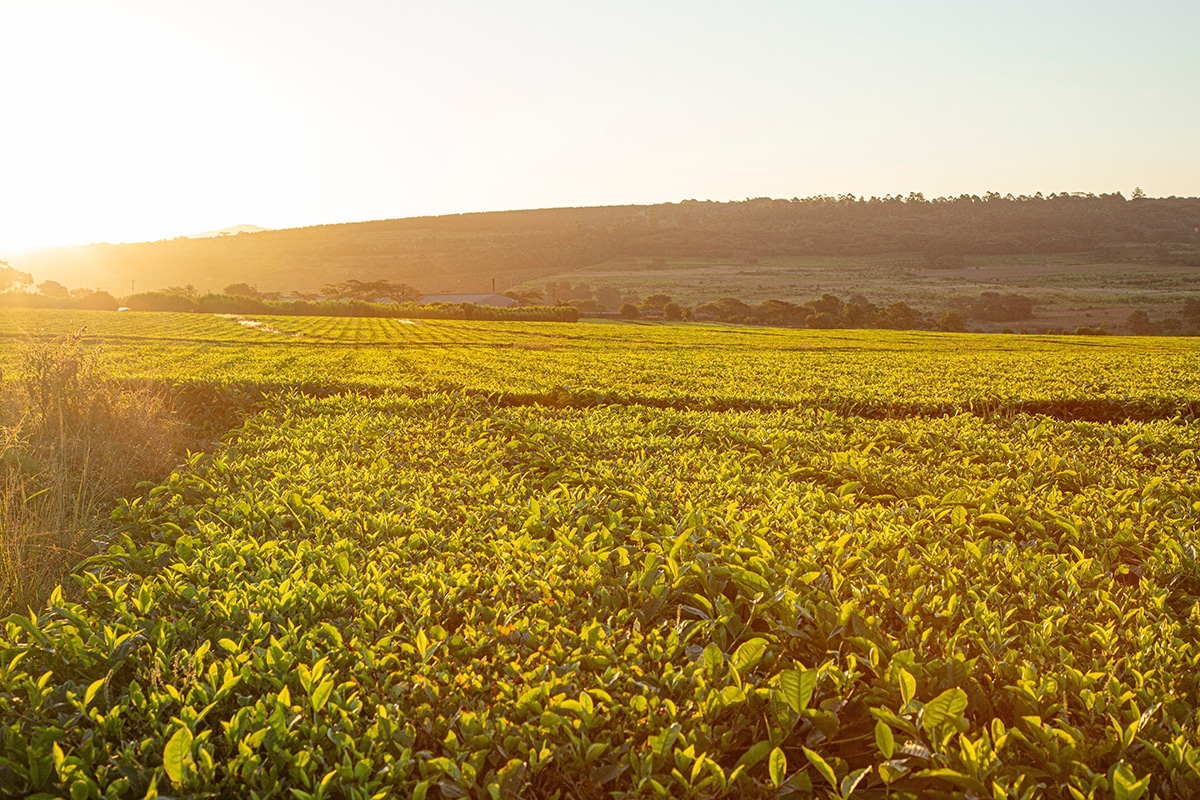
1079, 252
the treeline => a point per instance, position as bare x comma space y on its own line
240, 304
943, 229
87, 300
15, 285
464, 252
243, 304
1188, 322
828, 311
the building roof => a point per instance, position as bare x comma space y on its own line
487, 299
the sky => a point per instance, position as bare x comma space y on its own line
133, 121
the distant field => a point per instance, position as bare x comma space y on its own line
685, 363
464, 559
1071, 289
1087, 260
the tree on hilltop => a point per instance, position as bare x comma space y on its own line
242, 289
13, 279
53, 289
655, 302
609, 297
371, 291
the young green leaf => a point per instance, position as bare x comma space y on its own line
884, 739
748, 654
908, 687
320, 695
777, 765
756, 753
1126, 785
947, 706
713, 659
177, 756
90, 694
822, 766
892, 771
797, 687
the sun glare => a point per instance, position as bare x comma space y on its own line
783, 399
123, 131
127, 121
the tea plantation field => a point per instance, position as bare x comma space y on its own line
489, 560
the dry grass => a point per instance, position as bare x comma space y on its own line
73, 440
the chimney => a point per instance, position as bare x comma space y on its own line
493, 285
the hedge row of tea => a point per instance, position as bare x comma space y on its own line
173, 302
442, 596
869, 373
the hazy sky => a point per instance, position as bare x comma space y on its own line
125, 121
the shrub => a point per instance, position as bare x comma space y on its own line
655, 302
996, 307
160, 301
96, 301
231, 304
726, 309
952, 321
1139, 323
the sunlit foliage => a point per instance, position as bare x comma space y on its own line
706, 563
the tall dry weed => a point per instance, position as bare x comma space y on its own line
73, 439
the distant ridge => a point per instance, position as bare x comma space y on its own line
236, 229
730, 246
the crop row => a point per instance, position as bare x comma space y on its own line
870, 373
440, 596
133, 326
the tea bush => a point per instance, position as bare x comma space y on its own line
498, 560
438, 597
